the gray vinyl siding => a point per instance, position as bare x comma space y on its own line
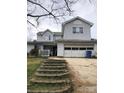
68, 31
45, 37
57, 37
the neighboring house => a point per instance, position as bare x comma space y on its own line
73, 41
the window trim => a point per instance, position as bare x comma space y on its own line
82, 48
80, 29
77, 30
67, 48
49, 37
74, 30
90, 48
75, 48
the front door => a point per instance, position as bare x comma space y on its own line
55, 51
52, 49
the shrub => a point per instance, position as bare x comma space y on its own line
34, 52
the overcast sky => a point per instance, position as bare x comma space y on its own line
82, 8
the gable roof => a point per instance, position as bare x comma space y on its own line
78, 18
43, 32
47, 30
63, 24
39, 33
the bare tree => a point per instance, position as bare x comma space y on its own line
54, 9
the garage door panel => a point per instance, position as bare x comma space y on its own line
74, 53
82, 53
67, 53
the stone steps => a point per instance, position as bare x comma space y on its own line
51, 77
54, 60
64, 89
51, 70
53, 67
51, 81
54, 64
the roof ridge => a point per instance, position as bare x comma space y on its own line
90, 23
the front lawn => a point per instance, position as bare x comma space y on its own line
32, 65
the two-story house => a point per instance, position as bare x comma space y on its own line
73, 41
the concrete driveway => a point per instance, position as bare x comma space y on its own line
84, 74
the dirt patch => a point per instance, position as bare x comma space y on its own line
83, 73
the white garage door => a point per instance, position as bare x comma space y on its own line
76, 51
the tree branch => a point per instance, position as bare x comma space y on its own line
37, 15
41, 7
67, 6
31, 23
54, 9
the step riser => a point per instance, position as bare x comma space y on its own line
66, 90
50, 67
54, 65
51, 72
55, 62
51, 75
44, 70
51, 82
53, 78
53, 68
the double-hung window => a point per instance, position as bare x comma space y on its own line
81, 29
49, 37
77, 29
74, 29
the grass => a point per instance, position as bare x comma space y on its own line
32, 65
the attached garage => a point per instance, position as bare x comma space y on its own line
77, 48
73, 51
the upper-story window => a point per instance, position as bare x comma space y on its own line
74, 29
81, 29
77, 29
49, 37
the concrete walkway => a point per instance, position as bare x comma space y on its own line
84, 74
